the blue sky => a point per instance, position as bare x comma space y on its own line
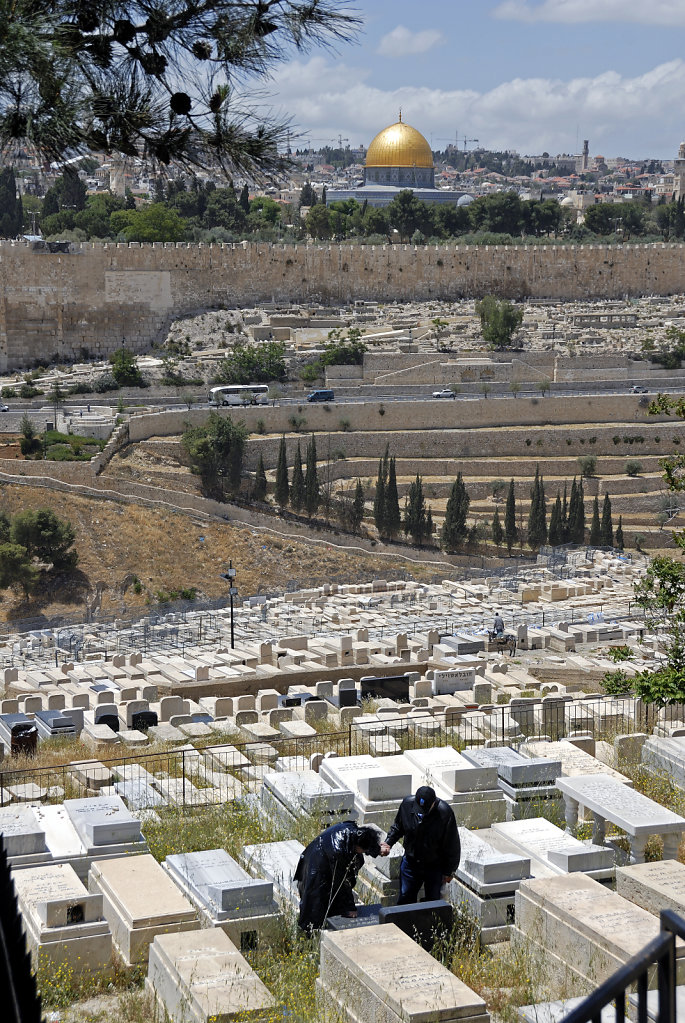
529, 75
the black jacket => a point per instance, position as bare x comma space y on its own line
432, 842
326, 874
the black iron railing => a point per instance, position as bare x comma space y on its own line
20, 999
635, 978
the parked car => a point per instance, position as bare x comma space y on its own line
446, 393
4, 408
639, 389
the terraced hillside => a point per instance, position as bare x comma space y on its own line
435, 440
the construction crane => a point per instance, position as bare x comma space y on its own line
455, 140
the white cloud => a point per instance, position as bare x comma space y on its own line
645, 12
620, 115
402, 42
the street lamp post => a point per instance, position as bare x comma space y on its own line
232, 592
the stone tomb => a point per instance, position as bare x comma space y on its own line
581, 932
379, 973
64, 925
472, 791
225, 894
200, 976
23, 836
666, 755
291, 794
140, 901
486, 883
637, 815
378, 788
105, 826
558, 852
277, 862
379, 878
654, 886
524, 780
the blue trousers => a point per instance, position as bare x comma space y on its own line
412, 876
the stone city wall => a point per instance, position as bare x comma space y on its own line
87, 301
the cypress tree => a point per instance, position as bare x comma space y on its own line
312, 492
297, 492
619, 533
358, 507
537, 516
260, 481
244, 199
415, 512
555, 523
563, 524
379, 500
580, 512
393, 519
510, 528
595, 528
454, 527
607, 528
576, 513
282, 488
497, 531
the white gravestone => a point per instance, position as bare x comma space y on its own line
225, 894
382, 971
139, 901
201, 977
540, 839
637, 815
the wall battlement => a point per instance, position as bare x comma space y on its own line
68, 305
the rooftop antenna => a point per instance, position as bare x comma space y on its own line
400, 115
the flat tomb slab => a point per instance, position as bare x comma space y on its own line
383, 969
574, 761
577, 922
537, 836
654, 886
21, 833
220, 885
140, 900
627, 809
200, 976
102, 821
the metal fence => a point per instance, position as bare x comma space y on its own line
224, 771
659, 953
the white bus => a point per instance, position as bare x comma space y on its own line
239, 394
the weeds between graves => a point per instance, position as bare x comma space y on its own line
504, 976
60, 985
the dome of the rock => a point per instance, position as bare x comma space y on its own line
400, 145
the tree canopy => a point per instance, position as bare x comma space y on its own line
499, 321
162, 79
215, 451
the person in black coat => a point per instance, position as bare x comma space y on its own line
327, 872
432, 851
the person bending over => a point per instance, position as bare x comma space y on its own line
327, 872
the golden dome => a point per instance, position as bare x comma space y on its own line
400, 145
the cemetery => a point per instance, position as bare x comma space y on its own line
156, 808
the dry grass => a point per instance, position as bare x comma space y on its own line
119, 543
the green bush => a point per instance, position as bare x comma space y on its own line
29, 391
633, 467
105, 383
8, 392
616, 683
